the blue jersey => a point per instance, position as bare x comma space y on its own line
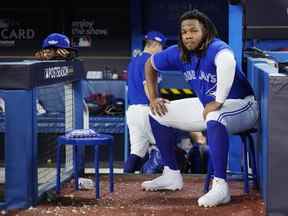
200, 72
136, 77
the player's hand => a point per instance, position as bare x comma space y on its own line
158, 106
55, 54
210, 107
45, 54
62, 53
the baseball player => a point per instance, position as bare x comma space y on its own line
138, 110
56, 46
225, 102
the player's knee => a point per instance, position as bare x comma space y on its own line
215, 116
162, 120
139, 152
212, 116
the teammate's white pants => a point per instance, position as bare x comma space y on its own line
139, 129
187, 114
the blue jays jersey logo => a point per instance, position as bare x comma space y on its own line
212, 91
208, 77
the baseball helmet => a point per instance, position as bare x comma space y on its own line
156, 36
57, 40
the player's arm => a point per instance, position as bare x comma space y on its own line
146, 90
157, 105
166, 60
225, 69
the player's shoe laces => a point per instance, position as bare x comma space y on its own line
169, 180
219, 194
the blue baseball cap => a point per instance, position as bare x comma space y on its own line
156, 36
57, 40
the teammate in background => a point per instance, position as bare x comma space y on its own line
138, 111
225, 102
56, 46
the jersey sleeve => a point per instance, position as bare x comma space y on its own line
225, 68
167, 60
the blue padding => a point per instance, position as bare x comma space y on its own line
107, 124
51, 123
235, 30
55, 123
251, 75
280, 56
236, 43
260, 83
263, 71
20, 150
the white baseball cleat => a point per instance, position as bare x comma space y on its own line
169, 180
219, 194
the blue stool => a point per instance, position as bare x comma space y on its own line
96, 141
246, 147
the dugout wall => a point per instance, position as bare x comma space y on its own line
271, 88
22, 85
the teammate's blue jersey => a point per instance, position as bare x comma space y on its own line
136, 77
200, 72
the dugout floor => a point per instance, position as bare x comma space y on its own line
129, 199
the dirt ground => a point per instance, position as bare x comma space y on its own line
129, 199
